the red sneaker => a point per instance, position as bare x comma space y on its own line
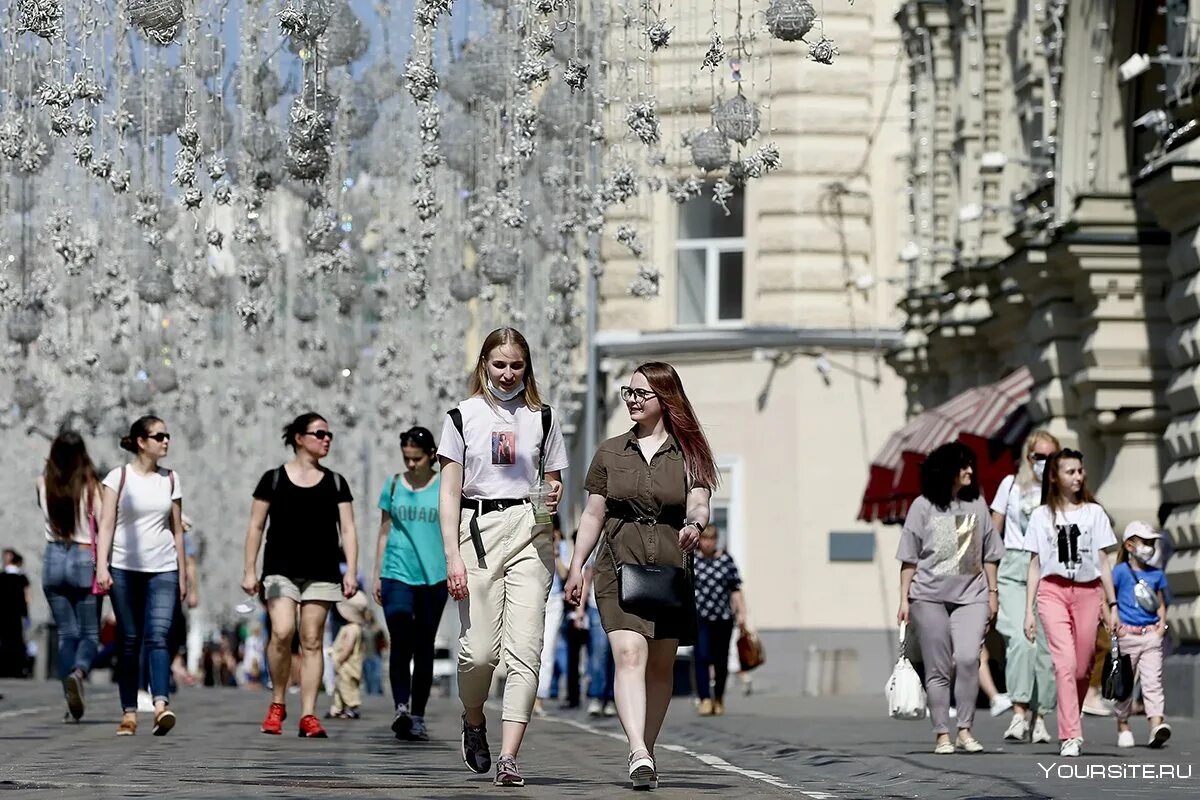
310, 728
273, 722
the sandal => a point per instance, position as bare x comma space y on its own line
642, 773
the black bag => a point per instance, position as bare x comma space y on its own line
650, 590
1118, 675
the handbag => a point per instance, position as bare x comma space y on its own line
905, 695
650, 590
750, 650
1118, 674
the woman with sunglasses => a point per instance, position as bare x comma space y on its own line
648, 503
499, 559
1070, 579
410, 579
304, 507
140, 559
1028, 669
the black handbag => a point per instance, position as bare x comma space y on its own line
651, 590
1118, 674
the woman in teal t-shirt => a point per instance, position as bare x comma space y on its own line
410, 579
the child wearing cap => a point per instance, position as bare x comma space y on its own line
348, 657
1142, 610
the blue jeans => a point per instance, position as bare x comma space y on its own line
600, 661
712, 651
412, 614
67, 583
144, 603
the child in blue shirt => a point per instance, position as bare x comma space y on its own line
1142, 610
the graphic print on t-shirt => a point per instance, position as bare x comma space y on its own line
1071, 544
504, 447
951, 542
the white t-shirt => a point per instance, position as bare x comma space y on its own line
143, 541
83, 533
503, 447
1016, 508
1072, 543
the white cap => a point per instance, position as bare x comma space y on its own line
1141, 530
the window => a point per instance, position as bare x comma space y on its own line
709, 262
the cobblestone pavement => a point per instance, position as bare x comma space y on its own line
765, 746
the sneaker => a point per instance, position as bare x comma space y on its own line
595, 707
1071, 748
128, 726
507, 772
73, 688
273, 722
1000, 704
718, 708
402, 722
1097, 708
1040, 734
641, 770
1018, 729
1159, 736
418, 732
1125, 738
610, 709
945, 748
706, 708
351, 713
475, 752
969, 745
310, 728
164, 722
145, 702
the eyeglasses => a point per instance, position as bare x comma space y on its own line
642, 395
320, 434
159, 437
1039, 457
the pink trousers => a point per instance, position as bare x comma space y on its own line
1145, 650
1070, 614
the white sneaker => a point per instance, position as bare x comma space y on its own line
1040, 734
1018, 729
145, 702
610, 710
953, 712
1125, 739
1071, 748
1000, 704
1159, 736
595, 707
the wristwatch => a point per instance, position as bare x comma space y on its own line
697, 525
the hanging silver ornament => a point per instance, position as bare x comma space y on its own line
646, 283
28, 393
736, 118
420, 79
575, 75
823, 51
324, 233
209, 291
501, 266
305, 19
117, 361
346, 38
139, 392
716, 52
659, 35
642, 119
154, 283
25, 323
41, 17
384, 78
532, 70
464, 285
308, 164
163, 378
564, 276
710, 149
541, 40
790, 20
304, 306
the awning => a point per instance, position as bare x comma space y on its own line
975, 417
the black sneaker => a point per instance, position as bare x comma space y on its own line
402, 722
418, 732
475, 752
73, 688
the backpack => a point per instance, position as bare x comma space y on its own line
456, 417
337, 479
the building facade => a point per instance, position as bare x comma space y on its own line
1053, 226
778, 316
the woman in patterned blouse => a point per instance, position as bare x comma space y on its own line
719, 604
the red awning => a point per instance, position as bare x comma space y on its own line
974, 417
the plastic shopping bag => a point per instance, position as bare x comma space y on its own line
905, 695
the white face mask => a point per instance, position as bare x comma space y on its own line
1143, 552
1039, 469
499, 395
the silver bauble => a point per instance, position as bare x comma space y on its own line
790, 20
736, 118
710, 149
25, 323
464, 285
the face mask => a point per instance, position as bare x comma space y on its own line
1143, 552
1039, 469
499, 395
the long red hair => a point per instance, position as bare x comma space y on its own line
680, 420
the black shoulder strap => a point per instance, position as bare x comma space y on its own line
392, 488
337, 480
456, 417
275, 480
546, 420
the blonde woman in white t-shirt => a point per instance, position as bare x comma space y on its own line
498, 561
69, 496
1069, 582
1028, 669
140, 560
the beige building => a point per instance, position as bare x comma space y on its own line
778, 317
1054, 226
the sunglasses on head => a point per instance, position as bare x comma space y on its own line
320, 434
159, 437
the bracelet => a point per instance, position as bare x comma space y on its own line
993, 591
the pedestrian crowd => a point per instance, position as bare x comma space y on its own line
472, 517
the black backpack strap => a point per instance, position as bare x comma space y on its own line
275, 480
547, 418
456, 417
392, 488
